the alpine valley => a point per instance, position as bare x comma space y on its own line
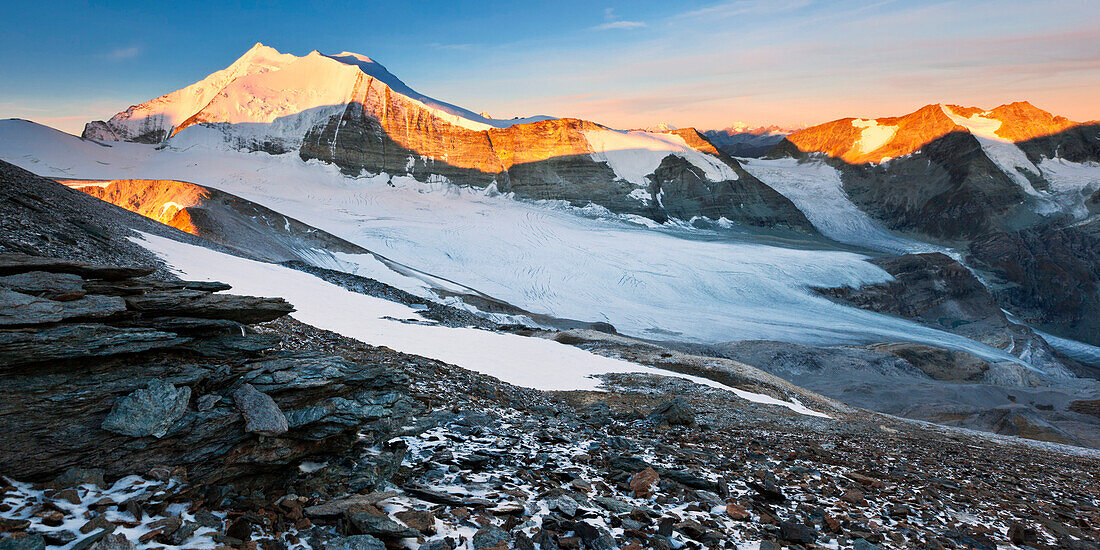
453, 331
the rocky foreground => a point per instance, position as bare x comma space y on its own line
207, 420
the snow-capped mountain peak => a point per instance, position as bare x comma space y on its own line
264, 85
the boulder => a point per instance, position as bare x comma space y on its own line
644, 483
13, 264
53, 286
491, 537
355, 542
677, 412
148, 412
73, 341
261, 414
18, 309
382, 527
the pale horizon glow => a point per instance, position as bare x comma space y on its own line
791, 63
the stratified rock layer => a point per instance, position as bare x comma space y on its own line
170, 376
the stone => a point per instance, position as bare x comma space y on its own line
148, 412
18, 309
113, 542
491, 537
564, 504
644, 483
28, 542
72, 341
796, 532
206, 402
382, 527
52, 286
737, 512
1022, 534
613, 505
862, 544
339, 506
79, 476
677, 412
240, 529
199, 303
90, 540
355, 542
768, 489
421, 520
261, 414
12, 264
853, 496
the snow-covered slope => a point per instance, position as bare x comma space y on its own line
546, 257
264, 85
635, 154
157, 119
816, 189
524, 361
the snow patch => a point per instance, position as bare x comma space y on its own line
633, 155
1004, 153
873, 136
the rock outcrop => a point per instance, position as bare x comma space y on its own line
1050, 276
169, 375
935, 290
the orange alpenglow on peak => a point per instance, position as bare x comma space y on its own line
860, 141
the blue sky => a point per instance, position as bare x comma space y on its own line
627, 64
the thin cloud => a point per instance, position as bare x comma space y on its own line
612, 21
119, 54
747, 7
452, 47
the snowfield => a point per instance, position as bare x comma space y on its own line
663, 283
524, 361
816, 189
633, 155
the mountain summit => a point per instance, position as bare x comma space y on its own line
858, 140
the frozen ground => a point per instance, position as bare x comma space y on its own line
646, 282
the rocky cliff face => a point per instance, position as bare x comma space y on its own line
744, 141
546, 160
949, 190
952, 172
937, 291
1050, 276
132, 374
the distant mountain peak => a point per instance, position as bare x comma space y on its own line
857, 140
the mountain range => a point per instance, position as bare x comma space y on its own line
949, 248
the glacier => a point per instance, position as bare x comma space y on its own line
663, 283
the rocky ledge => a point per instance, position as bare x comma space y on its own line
104, 367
